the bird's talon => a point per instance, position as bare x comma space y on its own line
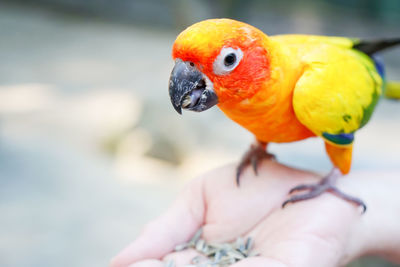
285, 203
254, 156
238, 172
325, 185
301, 188
349, 198
254, 164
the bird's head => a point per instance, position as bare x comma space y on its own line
217, 61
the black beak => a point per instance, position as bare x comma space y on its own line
188, 88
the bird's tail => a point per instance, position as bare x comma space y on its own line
392, 90
373, 46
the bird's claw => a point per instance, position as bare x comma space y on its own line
325, 185
253, 156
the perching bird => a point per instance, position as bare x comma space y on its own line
281, 88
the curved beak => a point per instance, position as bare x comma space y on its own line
190, 89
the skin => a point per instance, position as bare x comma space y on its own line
320, 232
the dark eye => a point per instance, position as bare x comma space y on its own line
227, 60
230, 59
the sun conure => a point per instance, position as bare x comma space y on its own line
281, 88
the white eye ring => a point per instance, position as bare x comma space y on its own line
227, 60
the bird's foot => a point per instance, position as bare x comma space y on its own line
253, 156
327, 184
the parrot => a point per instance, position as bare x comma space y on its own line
282, 88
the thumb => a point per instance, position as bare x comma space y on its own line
176, 226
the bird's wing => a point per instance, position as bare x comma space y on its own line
368, 47
336, 93
299, 39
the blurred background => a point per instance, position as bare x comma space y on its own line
90, 146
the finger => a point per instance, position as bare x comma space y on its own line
148, 263
184, 258
177, 225
259, 262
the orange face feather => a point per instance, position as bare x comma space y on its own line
202, 42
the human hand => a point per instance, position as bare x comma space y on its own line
325, 231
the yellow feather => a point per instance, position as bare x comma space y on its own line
337, 85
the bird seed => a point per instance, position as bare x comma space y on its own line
216, 254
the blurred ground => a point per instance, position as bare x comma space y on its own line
90, 147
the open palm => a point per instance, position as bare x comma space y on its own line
325, 231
